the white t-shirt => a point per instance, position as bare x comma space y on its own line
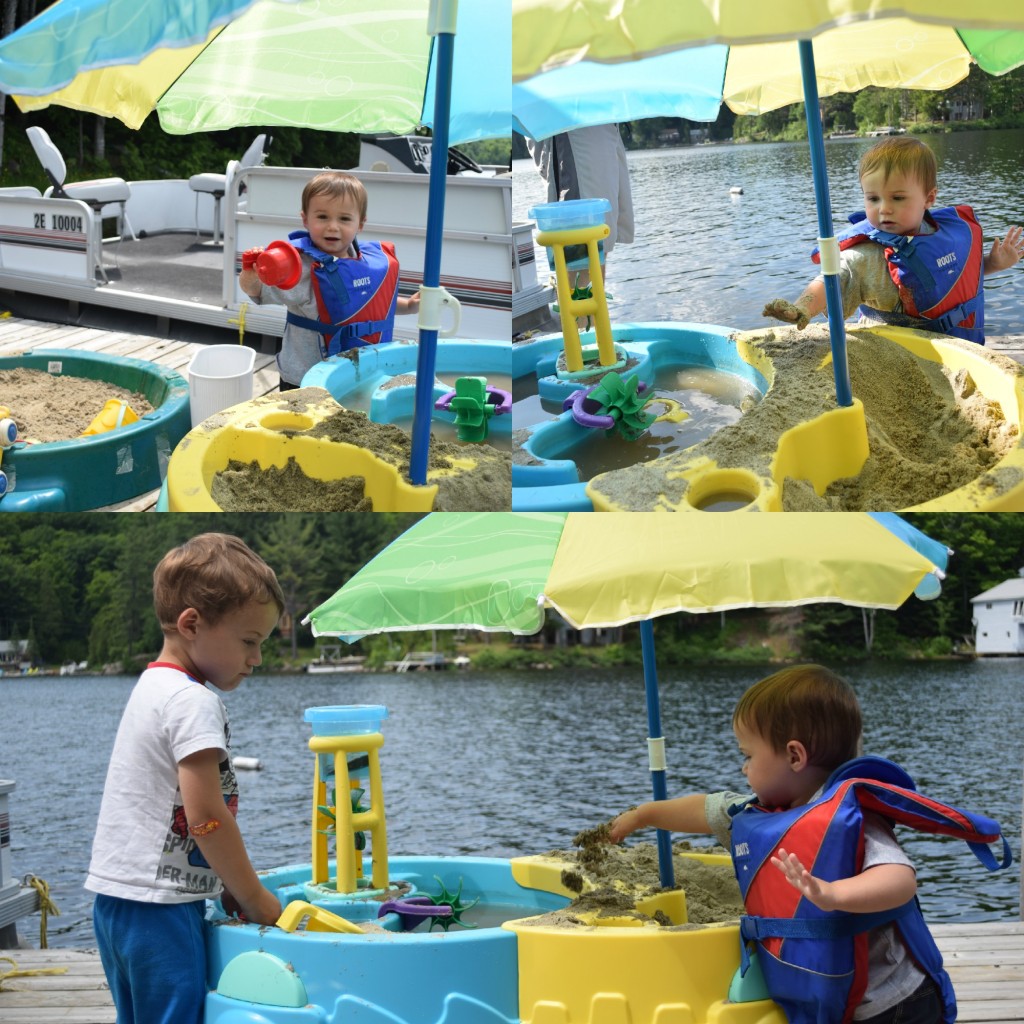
892, 974
142, 850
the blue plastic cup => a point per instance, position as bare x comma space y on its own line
569, 214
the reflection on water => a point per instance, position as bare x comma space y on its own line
706, 255
518, 763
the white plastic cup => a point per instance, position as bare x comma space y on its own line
219, 376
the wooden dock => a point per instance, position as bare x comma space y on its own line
985, 961
19, 335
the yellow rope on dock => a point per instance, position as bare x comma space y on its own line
46, 906
16, 973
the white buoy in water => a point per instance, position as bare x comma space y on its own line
736, 190
252, 764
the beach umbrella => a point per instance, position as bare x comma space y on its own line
642, 60
500, 571
354, 66
335, 65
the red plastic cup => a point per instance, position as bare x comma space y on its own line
279, 265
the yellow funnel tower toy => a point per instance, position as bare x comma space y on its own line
347, 741
580, 223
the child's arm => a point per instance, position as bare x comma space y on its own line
683, 814
881, 887
810, 304
1005, 252
408, 303
216, 833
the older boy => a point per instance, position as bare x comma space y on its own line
166, 839
902, 262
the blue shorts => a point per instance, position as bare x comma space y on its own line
154, 956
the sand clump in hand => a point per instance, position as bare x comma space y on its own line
610, 879
247, 487
54, 407
930, 430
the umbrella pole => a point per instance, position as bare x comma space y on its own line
442, 26
656, 748
826, 242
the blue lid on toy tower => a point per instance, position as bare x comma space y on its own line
347, 719
570, 213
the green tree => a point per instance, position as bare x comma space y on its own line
291, 549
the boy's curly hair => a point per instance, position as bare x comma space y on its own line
215, 573
806, 703
901, 154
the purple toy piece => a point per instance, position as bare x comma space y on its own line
500, 399
579, 401
413, 909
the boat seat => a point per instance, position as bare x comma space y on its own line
216, 185
97, 194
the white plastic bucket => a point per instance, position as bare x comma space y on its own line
219, 377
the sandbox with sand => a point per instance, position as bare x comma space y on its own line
931, 428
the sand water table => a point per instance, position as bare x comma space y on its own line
341, 442
458, 940
116, 464
934, 423
935, 426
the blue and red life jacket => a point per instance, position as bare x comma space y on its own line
356, 298
814, 961
938, 276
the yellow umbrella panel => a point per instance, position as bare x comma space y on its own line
626, 567
551, 33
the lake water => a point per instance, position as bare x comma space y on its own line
508, 764
704, 255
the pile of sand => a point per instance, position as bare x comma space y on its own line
245, 487
611, 879
50, 407
930, 430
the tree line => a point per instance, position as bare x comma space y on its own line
979, 101
78, 586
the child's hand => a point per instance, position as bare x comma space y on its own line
249, 257
780, 309
1005, 252
264, 909
817, 891
624, 825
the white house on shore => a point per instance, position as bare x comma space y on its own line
999, 618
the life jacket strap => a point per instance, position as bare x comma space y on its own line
756, 929
954, 317
985, 855
903, 246
335, 334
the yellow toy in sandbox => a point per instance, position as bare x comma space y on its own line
115, 413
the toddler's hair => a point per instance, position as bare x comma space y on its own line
335, 185
215, 573
903, 155
806, 703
